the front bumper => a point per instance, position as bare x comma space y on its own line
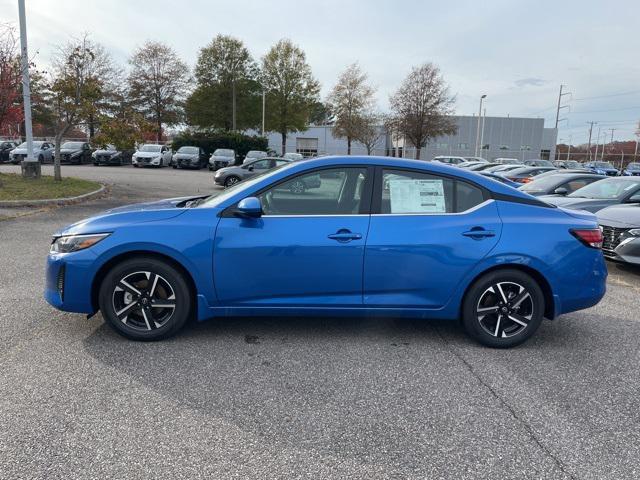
628, 251
67, 286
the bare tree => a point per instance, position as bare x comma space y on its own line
76, 87
10, 111
350, 98
369, 130
158, 84
422, 106
291, 90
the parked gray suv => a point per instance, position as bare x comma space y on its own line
222, 157
189, 157
228, 176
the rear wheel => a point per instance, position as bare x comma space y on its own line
145, 299
503, 308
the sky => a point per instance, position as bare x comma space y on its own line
518, 53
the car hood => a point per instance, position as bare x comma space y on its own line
222, 157
148, 154
22, 151
110, 220
106, 152
574, 203
69, 151
185, 156
623, 216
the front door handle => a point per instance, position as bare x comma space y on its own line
343, 235
478, 233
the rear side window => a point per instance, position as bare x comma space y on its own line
407, 192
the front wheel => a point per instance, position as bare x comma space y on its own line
503, 309
145, 299
231, 181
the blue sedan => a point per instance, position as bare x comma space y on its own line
379, 236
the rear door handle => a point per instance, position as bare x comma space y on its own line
343, 235
478, 233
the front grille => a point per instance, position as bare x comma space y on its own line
611, 237
60, 282
612, 174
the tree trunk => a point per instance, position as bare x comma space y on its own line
92, 127
417, 156
57, 173
233, 105
348, 145
159, 124
368, 149
284, 142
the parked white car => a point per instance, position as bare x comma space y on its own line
150, 155
254, 155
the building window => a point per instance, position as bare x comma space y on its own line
485, 146
504, 147
545, 154
525, 147
442, 146
463, 146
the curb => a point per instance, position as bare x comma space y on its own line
53, 201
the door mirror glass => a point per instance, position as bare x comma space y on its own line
635, 198
560, 191
249, 207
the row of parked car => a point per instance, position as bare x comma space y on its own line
596, 187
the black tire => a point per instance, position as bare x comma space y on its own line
138, 321
491, 321
135, 165
231, 180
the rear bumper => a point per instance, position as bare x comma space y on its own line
583, 294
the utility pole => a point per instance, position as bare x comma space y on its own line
31, 167
611, 145
263, 110
560, 95
478, 130
591, 124
597, 143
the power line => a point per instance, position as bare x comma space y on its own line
606, 96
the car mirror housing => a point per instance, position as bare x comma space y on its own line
561, 191
635, 198
249, 207
250, 168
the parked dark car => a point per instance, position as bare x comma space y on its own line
483, 166
559, 183
222, 157
470, 163
567, 164
525, 174
620, 226
42, 151
75, 153
449, 159
600, 194
110, 155
229, 176
189, 157
602, 168
632, 169
503, 168
500, 179
5, 148
567, 170
476, 159
538, 163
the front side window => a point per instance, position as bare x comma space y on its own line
407, 192
336, 191
261, 165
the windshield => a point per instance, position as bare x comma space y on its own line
611, 188
71, 145
221, 152
572, 164
215, 200
256, 154
603, 164
190, 150
150, 148
633, 166
35, 145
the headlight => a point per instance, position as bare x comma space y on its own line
93, 155
73, 243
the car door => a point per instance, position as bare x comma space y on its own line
305, 250
256, 168
426, 233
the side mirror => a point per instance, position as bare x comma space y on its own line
249, 207
561, 191
635, 198
250, 168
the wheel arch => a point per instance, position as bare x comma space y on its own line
102, 272
541, 280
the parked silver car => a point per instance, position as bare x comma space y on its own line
189, 157
294, 157
222, 157
254, 155
42, 151
228, 176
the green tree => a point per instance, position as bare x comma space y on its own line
227, 95
158, 82
350, 99
291, 89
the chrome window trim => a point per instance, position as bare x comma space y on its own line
431, 214
318, 215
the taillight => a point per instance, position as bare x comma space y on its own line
590, 237
519, 179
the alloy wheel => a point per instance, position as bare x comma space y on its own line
144, 300
229, 182
505, 309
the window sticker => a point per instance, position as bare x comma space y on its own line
416, 196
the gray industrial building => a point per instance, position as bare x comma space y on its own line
522, 138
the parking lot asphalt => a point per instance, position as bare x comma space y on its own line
302, 397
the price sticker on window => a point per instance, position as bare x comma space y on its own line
416, 196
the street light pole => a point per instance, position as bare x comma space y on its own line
478, 130
30, 166
263, 110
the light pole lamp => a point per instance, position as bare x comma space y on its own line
478, 129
